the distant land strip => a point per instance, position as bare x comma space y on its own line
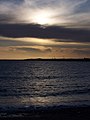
53, 59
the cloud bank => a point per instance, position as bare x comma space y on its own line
44, 28
66, 13
52, 32
21, 48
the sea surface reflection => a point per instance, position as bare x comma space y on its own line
44, 83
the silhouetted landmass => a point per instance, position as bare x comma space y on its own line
39, 59
53, 59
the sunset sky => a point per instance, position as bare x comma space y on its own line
44, 29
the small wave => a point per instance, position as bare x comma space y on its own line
69, 92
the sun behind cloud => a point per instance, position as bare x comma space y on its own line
42, 17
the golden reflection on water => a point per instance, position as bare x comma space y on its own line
36, 100
43, 101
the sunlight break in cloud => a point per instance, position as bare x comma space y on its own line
52, 12
43, 48
7, 41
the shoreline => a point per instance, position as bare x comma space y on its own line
39, 59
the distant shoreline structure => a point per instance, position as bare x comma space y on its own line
48, 59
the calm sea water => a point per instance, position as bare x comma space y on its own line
34, 84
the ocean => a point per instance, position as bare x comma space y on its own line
33, 85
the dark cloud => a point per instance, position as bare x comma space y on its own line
35, 50
56, 32
14, 43
6, 18
12, 1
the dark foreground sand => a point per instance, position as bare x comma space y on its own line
77, 113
